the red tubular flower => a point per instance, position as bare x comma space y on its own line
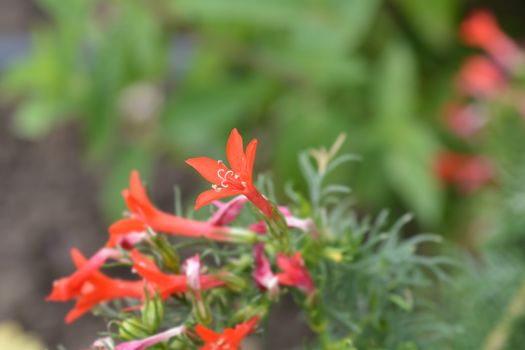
226, 182
143, 214
479, 77
480, 29
262, 274
93, 287
67, 288
467, 172
168, 284
230, 339
294, 272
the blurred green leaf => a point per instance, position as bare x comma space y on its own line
435, 21
36, 118
409, 146
200, 117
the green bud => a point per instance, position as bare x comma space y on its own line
153, 312
132, 328
170, 258
233, 282
201, 311
278, 229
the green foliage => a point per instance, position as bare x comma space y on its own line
373, 280
169, 77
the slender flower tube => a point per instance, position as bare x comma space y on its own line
145, 343
143, 214
231, 182
93, 287
229, 339
262, 274
294, 272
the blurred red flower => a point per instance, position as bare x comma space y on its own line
480, 77
480, 29
467, 172
464, 121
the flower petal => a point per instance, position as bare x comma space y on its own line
137, 189
206, 334
211, 195
235, 152
250, 159
77, 311
207, 168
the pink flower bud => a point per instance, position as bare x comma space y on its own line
262, 274
150, 341
192, 268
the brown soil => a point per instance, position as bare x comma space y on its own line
47, 205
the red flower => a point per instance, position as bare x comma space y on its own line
94, 288
294, 272
230, 339
226, 182
480, 29
467, 172
143, 214
480, 77
168, 284
464, 121
66, 288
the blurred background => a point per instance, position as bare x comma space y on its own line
90, 89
